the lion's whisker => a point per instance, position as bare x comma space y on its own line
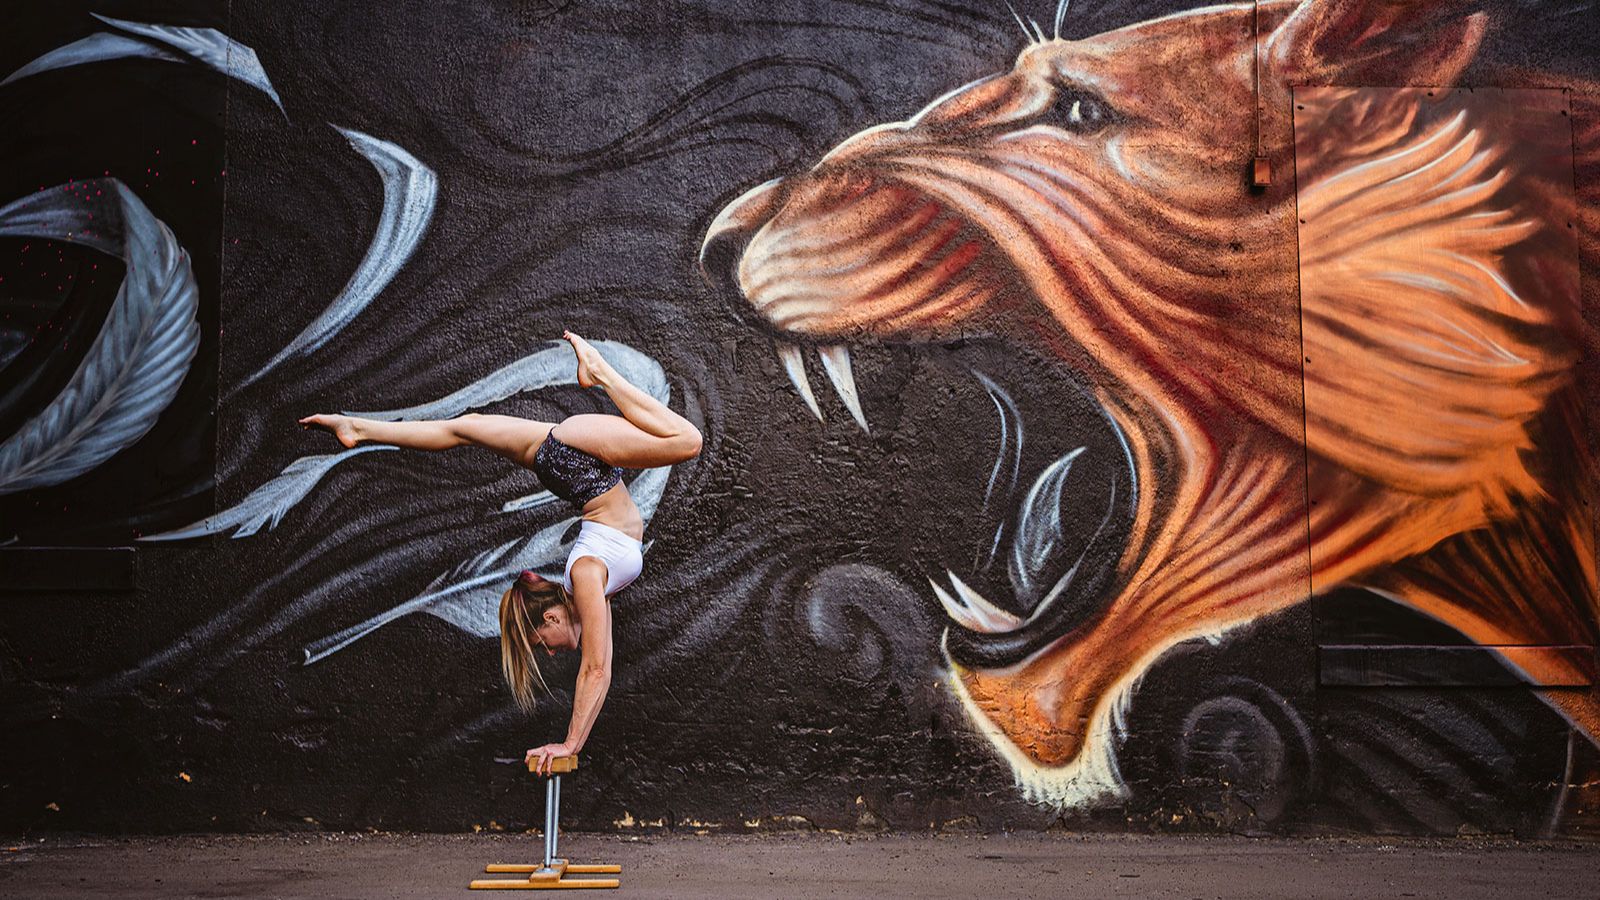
1020, 23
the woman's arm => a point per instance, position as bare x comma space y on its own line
594, 671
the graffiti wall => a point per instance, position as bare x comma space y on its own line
1058, 469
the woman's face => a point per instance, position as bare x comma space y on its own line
557, 631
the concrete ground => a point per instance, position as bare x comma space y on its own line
806, 865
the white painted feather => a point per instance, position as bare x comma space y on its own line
88, 213
410, 191
101, 46
536, 500
546, 368
136, 364
210, 47
267, 504
467, 595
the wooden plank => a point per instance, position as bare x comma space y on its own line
24, 569
535, 871
1406, 665
559, 765
520, 884
561, 865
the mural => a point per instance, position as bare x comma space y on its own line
1089, 202
1031, 427
109, 344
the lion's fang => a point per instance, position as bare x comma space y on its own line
997, 619
794, 364
836, 362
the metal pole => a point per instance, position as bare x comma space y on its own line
555, 819
549, 820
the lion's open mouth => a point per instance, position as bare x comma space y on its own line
875, 261
983, 634
1032, 562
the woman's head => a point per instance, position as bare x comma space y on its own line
535, 615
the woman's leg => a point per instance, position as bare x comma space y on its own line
648, 433
515, 439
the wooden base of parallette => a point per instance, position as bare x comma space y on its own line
550, 875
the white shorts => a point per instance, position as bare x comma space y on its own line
623, 556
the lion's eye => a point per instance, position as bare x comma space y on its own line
1082, 113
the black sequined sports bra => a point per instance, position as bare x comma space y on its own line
571, 474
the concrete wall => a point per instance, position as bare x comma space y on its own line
1054, 474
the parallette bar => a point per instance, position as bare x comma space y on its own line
551, 873
559, 765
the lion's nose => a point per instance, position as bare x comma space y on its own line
732, 229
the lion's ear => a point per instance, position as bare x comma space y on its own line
1361, 43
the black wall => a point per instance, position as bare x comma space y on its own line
779, 664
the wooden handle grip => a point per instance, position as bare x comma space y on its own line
558, 764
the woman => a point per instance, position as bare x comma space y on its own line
583, 465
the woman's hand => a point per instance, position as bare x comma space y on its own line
544, 754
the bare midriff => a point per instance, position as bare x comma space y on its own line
616, 508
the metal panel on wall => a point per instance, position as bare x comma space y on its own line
110, 256
1449, 459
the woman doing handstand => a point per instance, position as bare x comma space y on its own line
583, 465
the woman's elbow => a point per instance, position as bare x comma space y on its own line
601, 670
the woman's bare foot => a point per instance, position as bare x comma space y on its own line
343, 427
592, 367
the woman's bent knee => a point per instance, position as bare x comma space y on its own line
689, 444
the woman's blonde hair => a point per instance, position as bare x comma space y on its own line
522, 608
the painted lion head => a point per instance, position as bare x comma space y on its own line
1314, 381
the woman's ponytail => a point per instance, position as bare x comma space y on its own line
521, 606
